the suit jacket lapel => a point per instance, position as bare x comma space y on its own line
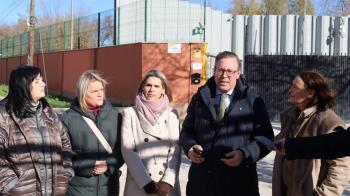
209, 101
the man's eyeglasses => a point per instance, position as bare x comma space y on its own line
229, 72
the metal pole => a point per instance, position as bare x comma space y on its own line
115, 23
205, 17
118, 26
64, 35
31, 33
71, 25
98, 29
145, 35
78, 33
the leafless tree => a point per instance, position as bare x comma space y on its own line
276, 7
246, 7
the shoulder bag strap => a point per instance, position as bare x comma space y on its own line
98, 134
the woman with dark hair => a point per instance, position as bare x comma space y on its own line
34, 145
150, 134
93, 127
310, 115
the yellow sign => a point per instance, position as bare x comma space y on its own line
197, 53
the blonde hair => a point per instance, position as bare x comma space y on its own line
83, 83
161, 76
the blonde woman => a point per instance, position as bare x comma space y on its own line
96, 169
150, 133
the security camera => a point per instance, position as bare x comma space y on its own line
230, 19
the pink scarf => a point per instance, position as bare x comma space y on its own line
151, 109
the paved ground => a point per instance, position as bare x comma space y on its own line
264, 167
264, 170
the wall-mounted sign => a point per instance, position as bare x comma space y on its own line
196, 66
174, 48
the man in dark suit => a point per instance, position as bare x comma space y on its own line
219, 133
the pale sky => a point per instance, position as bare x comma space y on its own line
11, 9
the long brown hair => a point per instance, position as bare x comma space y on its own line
324, 96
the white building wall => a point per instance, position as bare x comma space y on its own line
173, 21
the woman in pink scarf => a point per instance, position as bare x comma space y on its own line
150, 133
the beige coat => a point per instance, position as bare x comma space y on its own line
306, 177
150, 152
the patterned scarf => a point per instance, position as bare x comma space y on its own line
151, 109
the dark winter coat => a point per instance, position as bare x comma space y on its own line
87, 149
245, 118
328, 146
20, 154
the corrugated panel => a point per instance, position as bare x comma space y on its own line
225, 33
270, 35
253, 34
238, 28
287, 34
217, 28
305, 35
323, 38
340, 36
293, 34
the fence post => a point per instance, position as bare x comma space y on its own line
1, 48
145, 35
98, 28
64, 35
7, 46
13, 45
78, 33
115, 23
20, 44
118, 36
50, 37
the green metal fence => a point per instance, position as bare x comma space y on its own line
88, 32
